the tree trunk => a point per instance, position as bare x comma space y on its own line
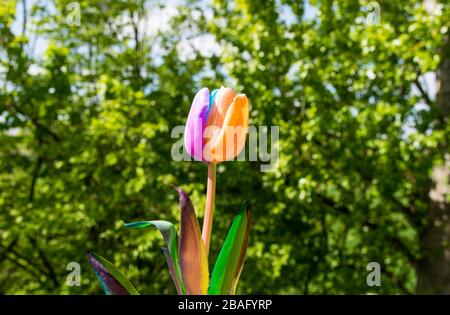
434, 267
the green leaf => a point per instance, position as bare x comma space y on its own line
230, 261
111, 279
171, 251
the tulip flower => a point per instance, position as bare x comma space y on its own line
217, 124
216, 130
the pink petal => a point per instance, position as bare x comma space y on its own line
195, 125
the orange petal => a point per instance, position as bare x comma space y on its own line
222, 102
230, 140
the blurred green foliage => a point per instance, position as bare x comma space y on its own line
85, 138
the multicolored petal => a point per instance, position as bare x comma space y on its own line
230, 140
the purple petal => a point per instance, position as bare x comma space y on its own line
195, 125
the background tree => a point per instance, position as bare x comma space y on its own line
86, 114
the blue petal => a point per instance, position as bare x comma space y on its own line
212, 97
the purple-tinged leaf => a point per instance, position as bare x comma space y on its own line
191, 249
111, 279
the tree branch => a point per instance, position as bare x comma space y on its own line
36, 170
24, 17
423, 93
47, 264
34, 271
36, 122
8, 248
